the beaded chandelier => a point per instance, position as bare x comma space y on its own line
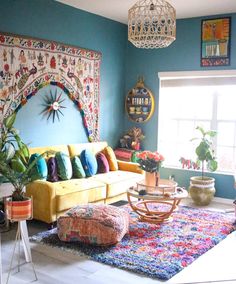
151, 24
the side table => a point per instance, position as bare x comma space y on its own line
155, 207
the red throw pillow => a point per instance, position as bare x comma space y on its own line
103, 165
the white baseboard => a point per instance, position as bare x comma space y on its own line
223, 200
220, 200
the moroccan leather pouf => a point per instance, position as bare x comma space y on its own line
96, 224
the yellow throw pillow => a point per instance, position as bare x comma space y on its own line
111, 158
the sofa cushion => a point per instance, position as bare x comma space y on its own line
89, 162
64, 166
52, 169
95, 224
118, 181
40, 169
103, 165
95, 147
78, 170
78, 191
111, 157
57, 148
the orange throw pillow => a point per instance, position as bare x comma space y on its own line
111, 158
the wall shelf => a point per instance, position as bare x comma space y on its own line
139, 103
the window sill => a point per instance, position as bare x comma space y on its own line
199, 171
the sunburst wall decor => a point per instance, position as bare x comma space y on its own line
53, 105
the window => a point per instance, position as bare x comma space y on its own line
207, 99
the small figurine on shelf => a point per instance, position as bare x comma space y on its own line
132, 139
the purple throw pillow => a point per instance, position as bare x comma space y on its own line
52, 169
103, 165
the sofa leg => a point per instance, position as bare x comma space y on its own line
51, 225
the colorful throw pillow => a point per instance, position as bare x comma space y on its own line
111, 157
52, 169
64, 166
40, 169
103, 165
89, 162
78, 170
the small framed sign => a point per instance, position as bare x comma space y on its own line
215, 42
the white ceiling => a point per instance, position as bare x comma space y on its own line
118, 9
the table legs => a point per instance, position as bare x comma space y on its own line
153, 215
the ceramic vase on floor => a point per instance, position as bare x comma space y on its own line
202, 190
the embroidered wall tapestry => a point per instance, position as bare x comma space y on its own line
28, 64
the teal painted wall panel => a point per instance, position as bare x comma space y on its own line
52, 20
59, 132
182, 55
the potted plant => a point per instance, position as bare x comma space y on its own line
16, 168
202, 188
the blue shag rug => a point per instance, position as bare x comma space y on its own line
158, 251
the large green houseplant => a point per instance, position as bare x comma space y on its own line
15, 164
202, 188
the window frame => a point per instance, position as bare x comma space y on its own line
213, 122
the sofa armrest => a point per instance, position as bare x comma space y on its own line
44, 200
130, 167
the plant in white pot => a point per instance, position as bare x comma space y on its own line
16, 168
202, 188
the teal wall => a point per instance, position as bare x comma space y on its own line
182, 55
121, 65
51, 20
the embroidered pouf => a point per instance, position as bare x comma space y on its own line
96, 224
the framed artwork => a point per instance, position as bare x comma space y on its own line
215, 42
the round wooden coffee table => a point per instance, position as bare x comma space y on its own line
157, 204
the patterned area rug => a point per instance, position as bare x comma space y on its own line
157, 251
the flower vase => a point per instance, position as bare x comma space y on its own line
152, 179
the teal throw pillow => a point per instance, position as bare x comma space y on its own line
64, 166
40, 169
89, 162
78, 170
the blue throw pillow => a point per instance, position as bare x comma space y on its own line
89, 162
64, 166
40, 169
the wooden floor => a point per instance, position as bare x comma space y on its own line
55, 266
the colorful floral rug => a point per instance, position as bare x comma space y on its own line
157, 251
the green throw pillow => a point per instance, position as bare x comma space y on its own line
64, 166
78, 170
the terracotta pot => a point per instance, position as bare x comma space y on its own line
19, 210
152, 179
201, 190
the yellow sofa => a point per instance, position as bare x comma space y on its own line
52, 199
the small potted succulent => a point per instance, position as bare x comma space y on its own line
202, 188
16, 168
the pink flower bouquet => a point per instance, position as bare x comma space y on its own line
150, 161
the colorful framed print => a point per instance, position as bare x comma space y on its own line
215, 42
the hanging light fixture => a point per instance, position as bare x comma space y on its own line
151, 24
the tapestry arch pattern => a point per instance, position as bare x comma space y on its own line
27, 65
